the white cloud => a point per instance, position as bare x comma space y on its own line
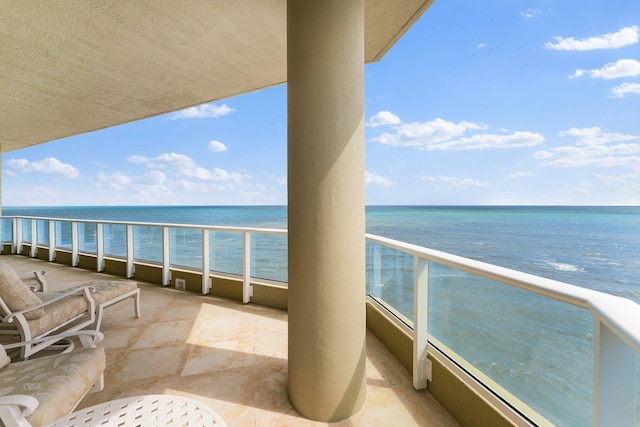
379, 180
176, 178
616, 70
190, 186
426, 134
612, 70
278, 179
487, 141
625, 179
454, 182
595, 136
201, 111
217, 146
119, 181
578, 73
115, 181
593, 147
185, 167
384, 118
530, 13
439, 134
49, 166
626, 88
481, 45
152, 178
136, 158
542, 154
621, 38
517, 175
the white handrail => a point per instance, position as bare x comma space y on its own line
161, 224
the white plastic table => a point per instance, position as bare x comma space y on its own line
144, 411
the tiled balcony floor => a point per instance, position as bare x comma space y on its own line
229, 355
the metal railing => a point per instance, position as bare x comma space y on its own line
616, 327
19, 224
616, 337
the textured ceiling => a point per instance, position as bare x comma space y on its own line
74, 66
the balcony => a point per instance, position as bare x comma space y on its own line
231, 355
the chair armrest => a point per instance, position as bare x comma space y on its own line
97, 337
35, 280
29, 403
84, 289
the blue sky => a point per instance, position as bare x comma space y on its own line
494, 102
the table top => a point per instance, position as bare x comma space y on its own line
144, 411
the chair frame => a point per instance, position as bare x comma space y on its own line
35, 280
14, 323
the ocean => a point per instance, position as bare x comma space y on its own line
538, 350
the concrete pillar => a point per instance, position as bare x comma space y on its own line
327, 326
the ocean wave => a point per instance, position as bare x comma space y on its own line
561, 266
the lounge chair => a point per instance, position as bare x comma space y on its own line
26, 316
104, 292
43, 389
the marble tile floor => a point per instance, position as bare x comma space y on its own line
230, 355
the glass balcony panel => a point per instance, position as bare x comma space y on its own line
87, 241
63, 235
390, 278
186, 247
115, 240
7, 230
42, 232
226, 252
147, 243
537, 349
26, 230
269, 257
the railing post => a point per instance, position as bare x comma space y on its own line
206, 286
99, 247
129, 251
1, 245
74, 244
246, 267
376, 288
16, 247
614, 395
52, 240
421, 365
34, 238
166, 260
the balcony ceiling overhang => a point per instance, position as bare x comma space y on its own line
70, 67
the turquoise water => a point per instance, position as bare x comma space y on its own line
539, 350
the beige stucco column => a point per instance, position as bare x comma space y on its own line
326, 207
